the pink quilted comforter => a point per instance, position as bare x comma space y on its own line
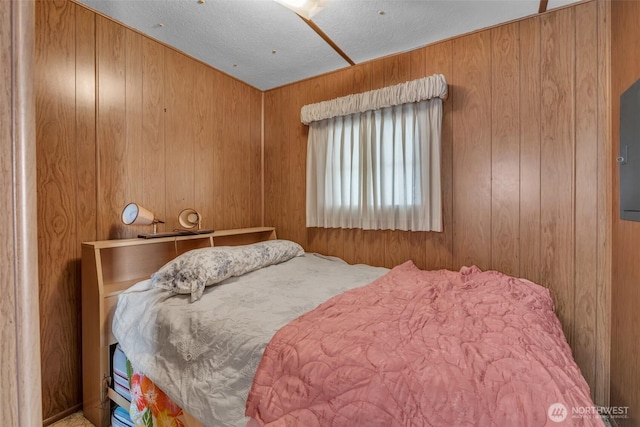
424, 348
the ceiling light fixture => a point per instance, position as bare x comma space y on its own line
304, 8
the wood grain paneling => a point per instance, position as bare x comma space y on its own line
274, 179
111, 126
523, 86
237, 162
227, 116
472, 240
180, 133
20, 397
86, 126
122, 118
255, 149
605, 198
218, 150
558, 162
505, 149
153, 130
86, 167
586, 199
625, 292
203, 147
55, 85
519, 132
439, 246
133, 116
297, 166
530, 80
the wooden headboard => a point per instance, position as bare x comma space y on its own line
108, 268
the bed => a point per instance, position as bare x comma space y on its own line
313, 341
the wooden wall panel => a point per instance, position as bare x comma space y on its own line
505, 149
122, 118
519, 131
153, 131
530, 87
55, 85
86, 167
605, 244
133, 116
111, 126
257, 192
297, 165
548, 55
218, 150
439, 246
471, 78
558, 161
179, 92
237, 163
586, 199
625, 292
86, 128
204, 174
227, 115
276, 159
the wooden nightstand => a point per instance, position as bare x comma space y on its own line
108, 268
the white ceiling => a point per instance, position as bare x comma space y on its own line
239, 37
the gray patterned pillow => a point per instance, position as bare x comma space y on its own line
192, 271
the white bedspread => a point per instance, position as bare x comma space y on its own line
204, 354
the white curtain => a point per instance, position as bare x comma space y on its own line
378, 168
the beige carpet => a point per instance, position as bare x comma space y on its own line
73, 420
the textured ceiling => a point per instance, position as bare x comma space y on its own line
266, 45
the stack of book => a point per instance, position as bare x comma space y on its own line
120, 416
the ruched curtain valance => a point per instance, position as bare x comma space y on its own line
434, 86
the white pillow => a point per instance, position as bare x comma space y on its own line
192, 271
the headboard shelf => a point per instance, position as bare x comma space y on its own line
123, 261
243, 236
113, 289
111, 266
252, 230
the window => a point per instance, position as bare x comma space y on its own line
376, 169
